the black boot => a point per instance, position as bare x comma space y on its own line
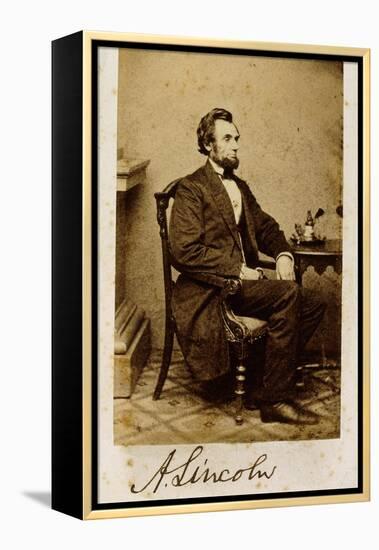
288, 413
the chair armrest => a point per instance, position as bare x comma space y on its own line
230, 287
235, 330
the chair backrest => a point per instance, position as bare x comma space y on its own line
163, 200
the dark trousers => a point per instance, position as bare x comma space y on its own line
293, 314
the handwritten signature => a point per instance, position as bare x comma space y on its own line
190, 472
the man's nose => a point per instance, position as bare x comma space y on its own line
235, 146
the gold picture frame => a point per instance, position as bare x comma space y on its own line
81, 428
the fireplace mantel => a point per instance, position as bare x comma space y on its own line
130, 172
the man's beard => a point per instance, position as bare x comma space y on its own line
231, 164
225, 162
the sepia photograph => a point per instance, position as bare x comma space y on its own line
228, 332
262, 176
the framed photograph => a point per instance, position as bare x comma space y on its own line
210, 275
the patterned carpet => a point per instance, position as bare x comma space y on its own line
183, 416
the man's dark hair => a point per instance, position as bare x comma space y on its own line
205, 130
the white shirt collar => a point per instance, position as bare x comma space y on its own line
218, 169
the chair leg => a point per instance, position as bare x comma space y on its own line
166, 359
239, 391
240, 384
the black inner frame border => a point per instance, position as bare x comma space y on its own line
95, 44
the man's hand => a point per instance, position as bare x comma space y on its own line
249, 274
285, 268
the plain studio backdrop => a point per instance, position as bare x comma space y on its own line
27, 31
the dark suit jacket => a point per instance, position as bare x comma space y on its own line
204, 241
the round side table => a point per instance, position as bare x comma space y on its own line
319, 256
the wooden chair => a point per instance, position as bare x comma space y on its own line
240, 332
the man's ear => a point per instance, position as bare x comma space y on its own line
208, 146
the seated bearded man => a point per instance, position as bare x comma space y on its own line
218, 228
